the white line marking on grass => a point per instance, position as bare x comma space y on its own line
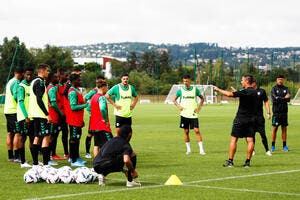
160, 185
243, 176
243, 190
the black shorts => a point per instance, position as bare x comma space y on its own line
280, 119
243, 127
75, 133
41, 127
25, 129
53, 129
11, 123
188, 123
101, 137
260, 125
120, 121
108, 166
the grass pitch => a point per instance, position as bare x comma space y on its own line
158, 141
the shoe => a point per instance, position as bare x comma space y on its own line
228, 163
66, 156
11, 160
247, 164
77, 164
52, 163
188, 152
25, 165
272, 148
17, 160
101, 180
202, 153
57, 157
268, 153
285, 148
80, 160
133, 184
253, 153
88, 155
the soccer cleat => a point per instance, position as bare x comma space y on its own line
52, 163
188, 152
88, 155
133, 184
285, 148
17, 160
202, 153
77, 164
228, 163
253, 153
247, 164
272, 148
66, 156
81, 160
25, 165
101, 180
268, 153
57, 157
11, 160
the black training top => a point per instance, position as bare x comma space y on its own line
262, 97
278, 93
112, 150
248, 102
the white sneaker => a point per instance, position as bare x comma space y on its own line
133, 184
88, 155
101, 179
253, 153
268, 153
52, 163
25, 165
202, 153
188, 152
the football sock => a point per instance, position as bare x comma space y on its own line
88, 144
273, 143
72, 151
35, 154
22, 155
284, 143
17, 155
10, 154
201, 146
46, 155
188, 146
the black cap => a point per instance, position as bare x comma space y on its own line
280, 76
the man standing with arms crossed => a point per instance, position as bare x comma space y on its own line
126, 99
189, 109
280, 96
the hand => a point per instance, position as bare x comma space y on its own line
118, 107
27, 120
134, 174
132, 107
268, 116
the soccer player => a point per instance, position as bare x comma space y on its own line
74, 116
10, 111
189, 109
54, 113
38, 110
114, 154
99, 121
25, 124
260, 121
63, 127
244, 122
280, 96
88, 97
126, 99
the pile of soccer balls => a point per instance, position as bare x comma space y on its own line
64, 174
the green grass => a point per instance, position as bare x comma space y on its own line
158, 141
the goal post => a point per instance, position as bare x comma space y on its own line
206, 90
296, 99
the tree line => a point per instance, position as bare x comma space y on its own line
152, 71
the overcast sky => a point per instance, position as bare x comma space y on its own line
245, 23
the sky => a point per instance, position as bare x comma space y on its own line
230, 23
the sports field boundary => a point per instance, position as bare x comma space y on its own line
185, 184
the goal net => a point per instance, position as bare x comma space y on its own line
296, 99
206, 90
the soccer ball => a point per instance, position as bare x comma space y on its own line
65, 174
83, 175
52, 177
31, 176
44, 173
94, 175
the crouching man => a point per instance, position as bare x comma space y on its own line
114, 154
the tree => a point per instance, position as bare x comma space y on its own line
132, 61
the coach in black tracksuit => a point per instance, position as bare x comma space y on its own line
280, 96
244, 122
